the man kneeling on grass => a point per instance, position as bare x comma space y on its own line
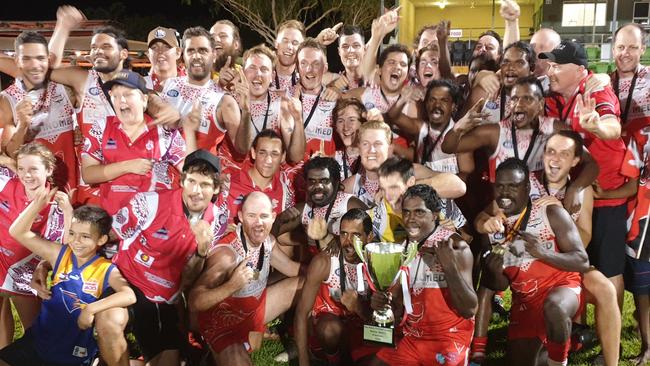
63, 332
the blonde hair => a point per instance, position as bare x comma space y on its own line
260, 49
295, 24
377, 125
37, 149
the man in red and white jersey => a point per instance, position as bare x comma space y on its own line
290, 34
317, 107
228, 49
232, 298
165, 238
35, 109
440, 300
541, 267
163, 53
631, 80
592, 109
330, 298
266, 173
272, 108
320, 214
194, 96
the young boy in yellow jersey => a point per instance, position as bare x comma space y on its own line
63, 332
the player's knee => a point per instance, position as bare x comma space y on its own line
602, 289
330, 330
553, 309
111, 323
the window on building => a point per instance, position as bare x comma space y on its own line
584, 14
641, 12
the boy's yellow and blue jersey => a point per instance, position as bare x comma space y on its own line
387, 224
57, 336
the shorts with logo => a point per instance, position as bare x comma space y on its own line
410, 351
527, 319
226, 324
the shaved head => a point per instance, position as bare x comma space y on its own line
256, 201
545, 40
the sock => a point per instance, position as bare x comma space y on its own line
479, 344
555, 363
558, 352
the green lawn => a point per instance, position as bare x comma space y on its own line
497, 345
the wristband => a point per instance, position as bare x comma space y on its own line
201, 256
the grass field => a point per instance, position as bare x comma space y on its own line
496, 347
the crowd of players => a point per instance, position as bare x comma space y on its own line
216, 194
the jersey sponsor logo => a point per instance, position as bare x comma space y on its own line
94, 91
90, 287
161, 233
158, 280
149, 145
507, 144
111, 144
144, 258
321, 133
173, 93
239, 199
369, 105
71, 301
79, 351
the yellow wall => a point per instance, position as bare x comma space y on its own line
472, 21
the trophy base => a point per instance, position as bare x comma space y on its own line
378, 335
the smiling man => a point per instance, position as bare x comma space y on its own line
322, 210
330, 299
195, 94
540, 257
232, 296
290, 34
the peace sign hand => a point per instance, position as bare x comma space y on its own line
587, 112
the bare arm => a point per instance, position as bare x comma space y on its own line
444, 62
94, 172
72, 76
203, 234
229, 113
67, 18
408, 126
447, 185
510, 13
584, 220
215, 284
572, 256
123, 296
456, 259
459, 141
317, 272
21, 228
283, 263
8, 66
380, 28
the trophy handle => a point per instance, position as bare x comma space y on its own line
358, 248
410, 253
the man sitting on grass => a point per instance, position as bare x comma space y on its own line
63, 331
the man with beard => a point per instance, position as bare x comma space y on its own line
319, 216
228, 48
563, 151
374, 148
329, 298
232, 298
290, 34
540, 256
272, 109
592, 109
518, 61
264, 175
440, 101
438, 328
33, 109
151, 225
630, 80
316, 107
194, 96
163, 53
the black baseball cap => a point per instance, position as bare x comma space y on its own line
129, 79
566, 52
202, 155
